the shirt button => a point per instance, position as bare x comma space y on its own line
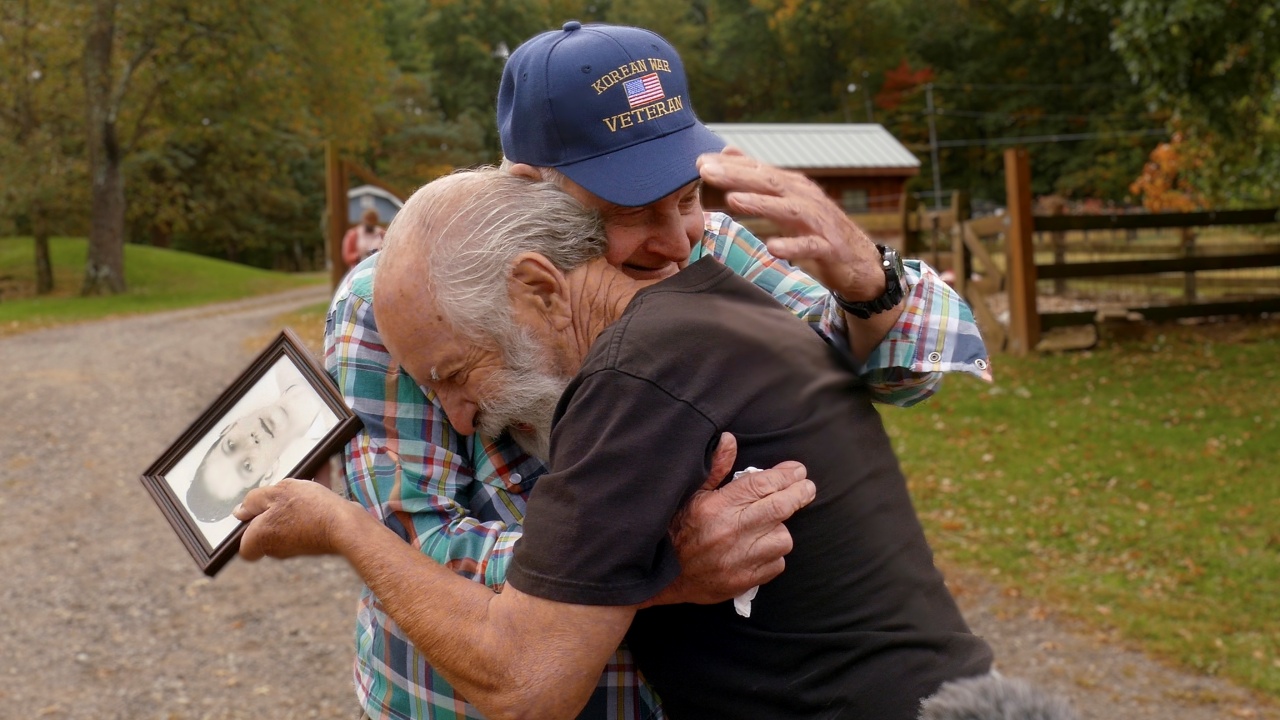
935, 357
982, 364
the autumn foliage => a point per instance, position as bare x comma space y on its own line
1163, 185
899, 81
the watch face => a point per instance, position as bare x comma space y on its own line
895, 275
892, 262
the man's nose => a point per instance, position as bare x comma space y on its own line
460, 410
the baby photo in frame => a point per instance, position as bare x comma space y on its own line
282, 417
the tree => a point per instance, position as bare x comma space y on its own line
235, 166
898, 82
1023, 68
1163, 185
739, 64
414, 140
1216, 65
466, 42
121, 43
220, 111
828, 44
39, 179
785, 60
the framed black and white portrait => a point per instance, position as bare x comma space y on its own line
282, 417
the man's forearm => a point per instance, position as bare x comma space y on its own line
502, 652
865, 335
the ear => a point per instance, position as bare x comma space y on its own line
539, 292
528, 172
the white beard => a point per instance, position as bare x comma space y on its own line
525, 392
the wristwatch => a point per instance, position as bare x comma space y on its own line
895, 287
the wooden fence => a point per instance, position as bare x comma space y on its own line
995, 266
1023, 271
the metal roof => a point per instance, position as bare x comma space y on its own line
376, 191
795, 145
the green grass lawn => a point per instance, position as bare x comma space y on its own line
157, 279
1134, 487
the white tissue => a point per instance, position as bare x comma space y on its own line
742, 603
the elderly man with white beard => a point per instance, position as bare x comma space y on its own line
627, 387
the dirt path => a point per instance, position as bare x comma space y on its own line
106, 617
1103, 679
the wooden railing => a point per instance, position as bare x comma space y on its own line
1025, 323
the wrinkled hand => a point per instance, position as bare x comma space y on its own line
291, 518
819, 237
731, 539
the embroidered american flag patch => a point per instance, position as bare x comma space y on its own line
644, 90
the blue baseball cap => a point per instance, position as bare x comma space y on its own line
606, 105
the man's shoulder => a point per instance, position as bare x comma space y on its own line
706, 311
707, 282
358, 283
350, 330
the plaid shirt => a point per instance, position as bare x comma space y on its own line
460, 500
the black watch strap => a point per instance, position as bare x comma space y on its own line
894, 290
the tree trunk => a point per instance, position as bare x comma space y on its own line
27, 125
44, 266
104, 271
160, 236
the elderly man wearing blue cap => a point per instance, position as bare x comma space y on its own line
604, 112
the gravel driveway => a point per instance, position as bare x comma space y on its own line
107, 617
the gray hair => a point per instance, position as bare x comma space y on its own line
548, 174
470, 227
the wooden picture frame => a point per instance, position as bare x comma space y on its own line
282, 417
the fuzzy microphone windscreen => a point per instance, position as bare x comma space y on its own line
994, 697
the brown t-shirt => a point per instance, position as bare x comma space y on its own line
859, 625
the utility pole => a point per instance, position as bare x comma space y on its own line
866, 94
933, 147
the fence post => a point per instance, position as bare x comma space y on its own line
960, 206
335, 191
935, 223
960, 254
1188, 249
1024, 319
910, 237
1059, 240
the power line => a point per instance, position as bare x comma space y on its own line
932, 111
933, 147
1036, 139
1024, 115
1026, 86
